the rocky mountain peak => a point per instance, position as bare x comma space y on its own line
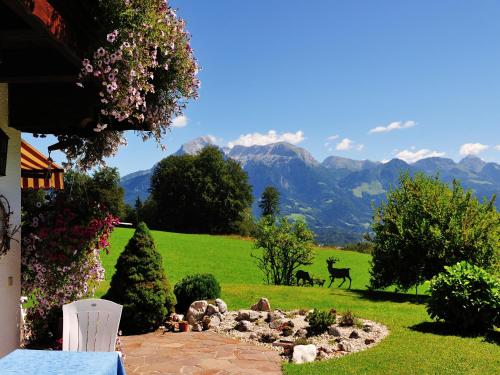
472, 163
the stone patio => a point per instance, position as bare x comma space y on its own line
200, 353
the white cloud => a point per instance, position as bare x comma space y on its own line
271, 136
180, 121
414, 156
395, 125
348, 144
472, 148
333, 137
497, 147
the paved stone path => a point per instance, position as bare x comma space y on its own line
197, 353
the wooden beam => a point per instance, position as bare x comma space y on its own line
38, 78
57, 108
45, 20
19, 39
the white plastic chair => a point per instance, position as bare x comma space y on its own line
91, 325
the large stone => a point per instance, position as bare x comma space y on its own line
368, 327
262, 305
334, 331
323, 352
244, 326
206, 322
221, 305
268, 337
354, 335
275, 315
275, 324
211, 309
304, 353
197, 327
248, 315
215, 320
286, 345
196, 312
301, 333
345, 346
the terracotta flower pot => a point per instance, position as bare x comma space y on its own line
183, 326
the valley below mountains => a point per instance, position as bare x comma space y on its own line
335, 196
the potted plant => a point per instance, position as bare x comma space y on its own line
183, 326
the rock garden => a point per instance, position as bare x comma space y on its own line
299, 336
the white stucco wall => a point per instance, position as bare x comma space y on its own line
10, 264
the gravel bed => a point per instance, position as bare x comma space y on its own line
336, 342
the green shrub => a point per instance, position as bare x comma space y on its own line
301, 341
319, 321
196, 287
465, 296
348, 319
287, 331
140, 285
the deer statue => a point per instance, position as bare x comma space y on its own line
337, 273
304, 276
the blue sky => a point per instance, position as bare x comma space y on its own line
425, 74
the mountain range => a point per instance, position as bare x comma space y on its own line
335, 196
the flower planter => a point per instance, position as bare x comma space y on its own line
183, 326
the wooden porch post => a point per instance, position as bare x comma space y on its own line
10, 263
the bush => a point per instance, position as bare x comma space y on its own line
301, 341
140, 284
196, 287
203, 193
319, 321
348, 319
285, 247
424, 225
465, 296
360, 247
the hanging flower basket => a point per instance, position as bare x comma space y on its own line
144, 71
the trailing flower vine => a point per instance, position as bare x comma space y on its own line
145, 72
60, 259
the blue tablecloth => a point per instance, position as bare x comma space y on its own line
54, 362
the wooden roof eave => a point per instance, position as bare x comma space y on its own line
40, 27
42, 43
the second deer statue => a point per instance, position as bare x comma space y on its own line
337, 273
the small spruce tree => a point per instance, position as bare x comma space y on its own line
270, 202
140, 284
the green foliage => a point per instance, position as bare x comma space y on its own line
301, 341
348, 319
130, 215
360, 247
424, 226
412, 336
140, 284
270, 202
286, 247
319, 321
194, 288
101, 190
237, 267
202, 193
287, 331
145, 46
246, 225
465, 296
134, 214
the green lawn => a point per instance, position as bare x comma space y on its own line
413, 346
